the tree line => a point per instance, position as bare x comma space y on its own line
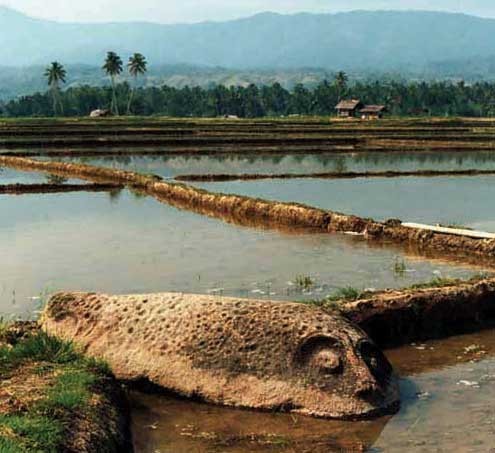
113, 67
442, 98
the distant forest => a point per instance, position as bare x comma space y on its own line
401, 99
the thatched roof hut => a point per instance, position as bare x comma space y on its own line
372, 111
348, 108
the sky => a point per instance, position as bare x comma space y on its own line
180, 11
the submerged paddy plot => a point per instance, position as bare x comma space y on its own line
123, 243
251, 163
249, 211
11, 176
458, 202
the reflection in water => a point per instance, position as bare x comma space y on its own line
448, 388
10, 176
172, 165
459, 201
451, 408
120, 243
167, 425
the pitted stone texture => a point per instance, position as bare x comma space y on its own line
245, 353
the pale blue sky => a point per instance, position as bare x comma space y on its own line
172, 11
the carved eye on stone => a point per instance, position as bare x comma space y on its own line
321, 354
328, 361
375, 360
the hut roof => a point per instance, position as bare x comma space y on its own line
373, 109
351, 104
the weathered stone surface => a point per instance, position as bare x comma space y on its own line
244, 353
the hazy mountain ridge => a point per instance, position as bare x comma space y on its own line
385, 40
366, 44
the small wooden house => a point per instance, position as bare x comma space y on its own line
348, 108
372, 112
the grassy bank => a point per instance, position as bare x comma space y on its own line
53, 399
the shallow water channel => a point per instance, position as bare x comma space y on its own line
447, 389
125, 243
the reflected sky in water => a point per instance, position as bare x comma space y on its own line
123, 243
460, 201
170, 165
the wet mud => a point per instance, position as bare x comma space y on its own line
394, 318
329, 175
211, 136
21, 189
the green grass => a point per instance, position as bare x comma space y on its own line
304, 282
438, 282
25, 433
71, 391
399, 267
350, 294
333, 302
44, 348
68, 383
39, 348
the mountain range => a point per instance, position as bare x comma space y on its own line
266, 48
383, 40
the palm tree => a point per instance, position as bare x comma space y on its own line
56, 73
341, 80
137, 66
113, 67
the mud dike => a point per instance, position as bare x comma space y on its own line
329, 175
22, 189
270, 214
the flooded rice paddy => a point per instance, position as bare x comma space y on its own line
121, 242
10, 176
457, 201
447, 200
273, 163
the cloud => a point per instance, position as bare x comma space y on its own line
173, 11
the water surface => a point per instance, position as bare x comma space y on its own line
123, 243
10, 176
172, 165
460, 201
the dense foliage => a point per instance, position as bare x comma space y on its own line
401, 98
